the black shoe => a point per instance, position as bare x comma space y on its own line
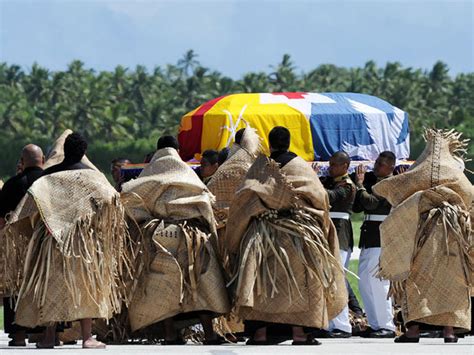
453, 339
382, 333
365, 333
308, 341
404, 339
12, 343
337, 333
177, 341
218, 341
260, 342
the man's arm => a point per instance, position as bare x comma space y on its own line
342, 192
363, 200
8, 198
366, 200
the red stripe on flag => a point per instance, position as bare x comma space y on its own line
291, 95
190, 141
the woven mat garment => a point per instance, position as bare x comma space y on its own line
427, 243
308, 288
168, 188
438, 164
230, 175
76, 257
174, 210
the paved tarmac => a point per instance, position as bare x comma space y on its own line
353, 345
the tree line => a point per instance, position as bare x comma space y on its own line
122, 112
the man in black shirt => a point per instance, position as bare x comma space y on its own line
373, 290
31, 162
341, 191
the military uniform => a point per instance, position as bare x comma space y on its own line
341, 191
373, 290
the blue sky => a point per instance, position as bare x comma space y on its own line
235, 37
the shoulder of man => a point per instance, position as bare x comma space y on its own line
13, 182
370, 179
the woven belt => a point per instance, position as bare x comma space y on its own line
340, 215
375, 217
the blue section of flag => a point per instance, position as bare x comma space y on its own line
405, 131
339, 123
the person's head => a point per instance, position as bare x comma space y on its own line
385, 164
279, 139
223, 154
115, 167
148, 157
239, 135
339, 164
75, 147
19, 167
167, 142
31, 156
209, 163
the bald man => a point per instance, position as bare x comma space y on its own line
31, 164
341, 191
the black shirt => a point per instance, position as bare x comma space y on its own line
283, 157
369, 203
15, 189
65, 165
341, 198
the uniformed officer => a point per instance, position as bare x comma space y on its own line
341, 191
373, 290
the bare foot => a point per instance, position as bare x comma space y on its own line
91, 343
299, 334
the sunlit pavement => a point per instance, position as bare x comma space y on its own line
353, 345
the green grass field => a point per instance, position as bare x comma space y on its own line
356, 223
354, 264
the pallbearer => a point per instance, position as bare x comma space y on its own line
341, 191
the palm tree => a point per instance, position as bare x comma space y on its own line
188, 63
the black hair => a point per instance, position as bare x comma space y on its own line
239, 135
341, 157
119, 160
389, 156
279, 138
223, 154
75, 147
167, 142
211, 156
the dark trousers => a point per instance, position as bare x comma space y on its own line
9, 316
354, 304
